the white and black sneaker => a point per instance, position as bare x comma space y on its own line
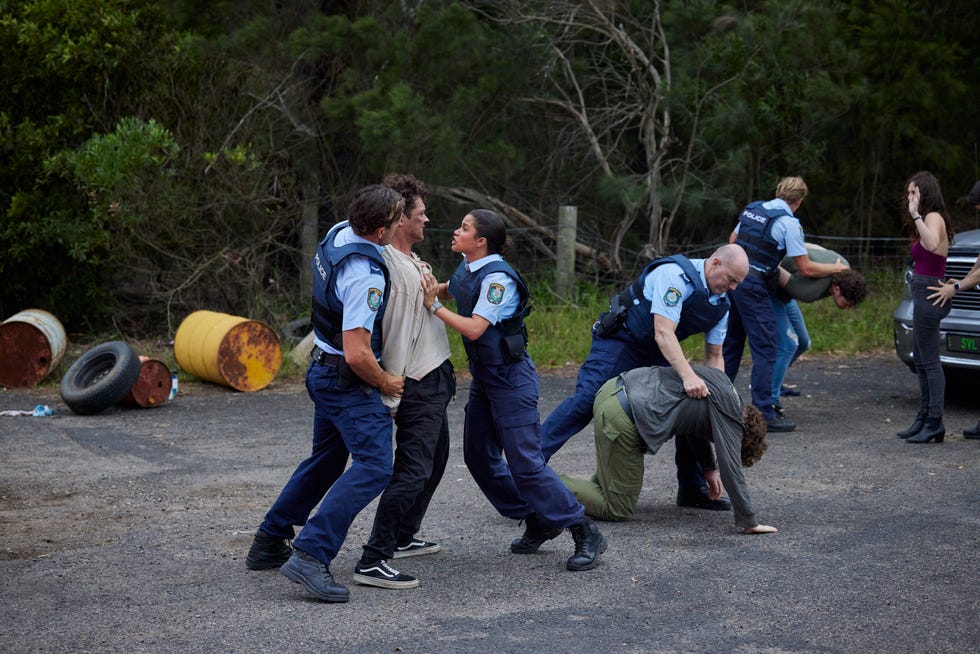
415, 548
383, 575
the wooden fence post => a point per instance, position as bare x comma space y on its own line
565, 251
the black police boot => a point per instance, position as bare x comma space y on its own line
916, 427
315, 577
589, 544
267, 552
535, 535
933, 429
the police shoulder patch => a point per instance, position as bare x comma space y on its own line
374, 298
495, 294
672, 297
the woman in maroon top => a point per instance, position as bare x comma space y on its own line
931, 234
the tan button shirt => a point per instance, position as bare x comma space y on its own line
415, 341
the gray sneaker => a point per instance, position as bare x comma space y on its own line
382, 575
315, 577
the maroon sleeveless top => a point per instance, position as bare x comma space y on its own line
927, 263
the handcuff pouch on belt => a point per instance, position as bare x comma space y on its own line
513, 336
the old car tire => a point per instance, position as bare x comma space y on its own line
100, 377
295, 331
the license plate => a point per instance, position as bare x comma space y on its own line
963, 343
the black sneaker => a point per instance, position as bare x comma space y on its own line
415, 548
589, 544
267, 552
382, 575
778, 408
535, 535
314, 576
779, 423
698, 499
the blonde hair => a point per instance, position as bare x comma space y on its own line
791, 189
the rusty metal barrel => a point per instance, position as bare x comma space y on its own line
228, 350
152, 387
32, 343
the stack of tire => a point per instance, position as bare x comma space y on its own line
100, 378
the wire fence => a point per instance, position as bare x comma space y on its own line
880, 260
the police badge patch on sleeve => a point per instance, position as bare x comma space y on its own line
374, 298
495, 294
672, 297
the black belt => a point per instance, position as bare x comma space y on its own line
624, 400
758, 273
324, 358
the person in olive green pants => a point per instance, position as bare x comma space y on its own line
638, 411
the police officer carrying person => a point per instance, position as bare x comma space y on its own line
502, 417
768, 231
673, 298
416, 346
345, 382
847, 288
638, 411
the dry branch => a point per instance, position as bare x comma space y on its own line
514, 217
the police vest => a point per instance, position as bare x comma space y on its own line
698, 315
328, 311
755, 236
506, 341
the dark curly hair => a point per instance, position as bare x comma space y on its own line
410, 187
852, 286
754, 436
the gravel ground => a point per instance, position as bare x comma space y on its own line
127, 532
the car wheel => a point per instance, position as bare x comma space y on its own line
100, 378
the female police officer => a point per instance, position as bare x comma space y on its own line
502, 410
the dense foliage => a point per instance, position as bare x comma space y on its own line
159, 157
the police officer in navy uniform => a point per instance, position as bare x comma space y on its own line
768, 231
502, 410
345, 382
673, 298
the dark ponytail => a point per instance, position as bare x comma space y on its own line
491, 226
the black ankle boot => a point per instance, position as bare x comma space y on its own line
932, 430
916, 427
535, 535
589, 544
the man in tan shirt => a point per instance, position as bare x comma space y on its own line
416, 347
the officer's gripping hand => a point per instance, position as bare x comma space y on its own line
695, 387
392, 385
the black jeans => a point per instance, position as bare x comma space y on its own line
422, 441
925, 325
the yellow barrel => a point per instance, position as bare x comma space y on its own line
32, 343
229, 350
